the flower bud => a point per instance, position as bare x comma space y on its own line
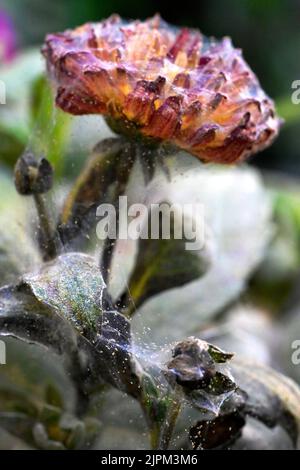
32, 176
195, 367
192, 365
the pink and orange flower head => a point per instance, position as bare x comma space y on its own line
171, 85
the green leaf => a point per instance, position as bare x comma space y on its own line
163, 264
271, 397
218, 355
23, 317
89, 190
73, 286
236, 244
218, 432
220, 384
65, 306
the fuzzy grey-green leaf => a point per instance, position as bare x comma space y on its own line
73, 286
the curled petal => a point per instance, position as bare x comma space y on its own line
140, 105
166, 120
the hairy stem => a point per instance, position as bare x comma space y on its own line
169, 424
49, 243
126, 162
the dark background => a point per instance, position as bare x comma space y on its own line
267, 30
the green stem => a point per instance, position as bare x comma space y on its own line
49, 243
126, 162
154, 436
169, 424
154, 425
161, 427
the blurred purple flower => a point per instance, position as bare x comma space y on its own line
7, 38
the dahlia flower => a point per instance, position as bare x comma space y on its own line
171, 85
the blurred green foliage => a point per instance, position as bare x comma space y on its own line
50, 125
